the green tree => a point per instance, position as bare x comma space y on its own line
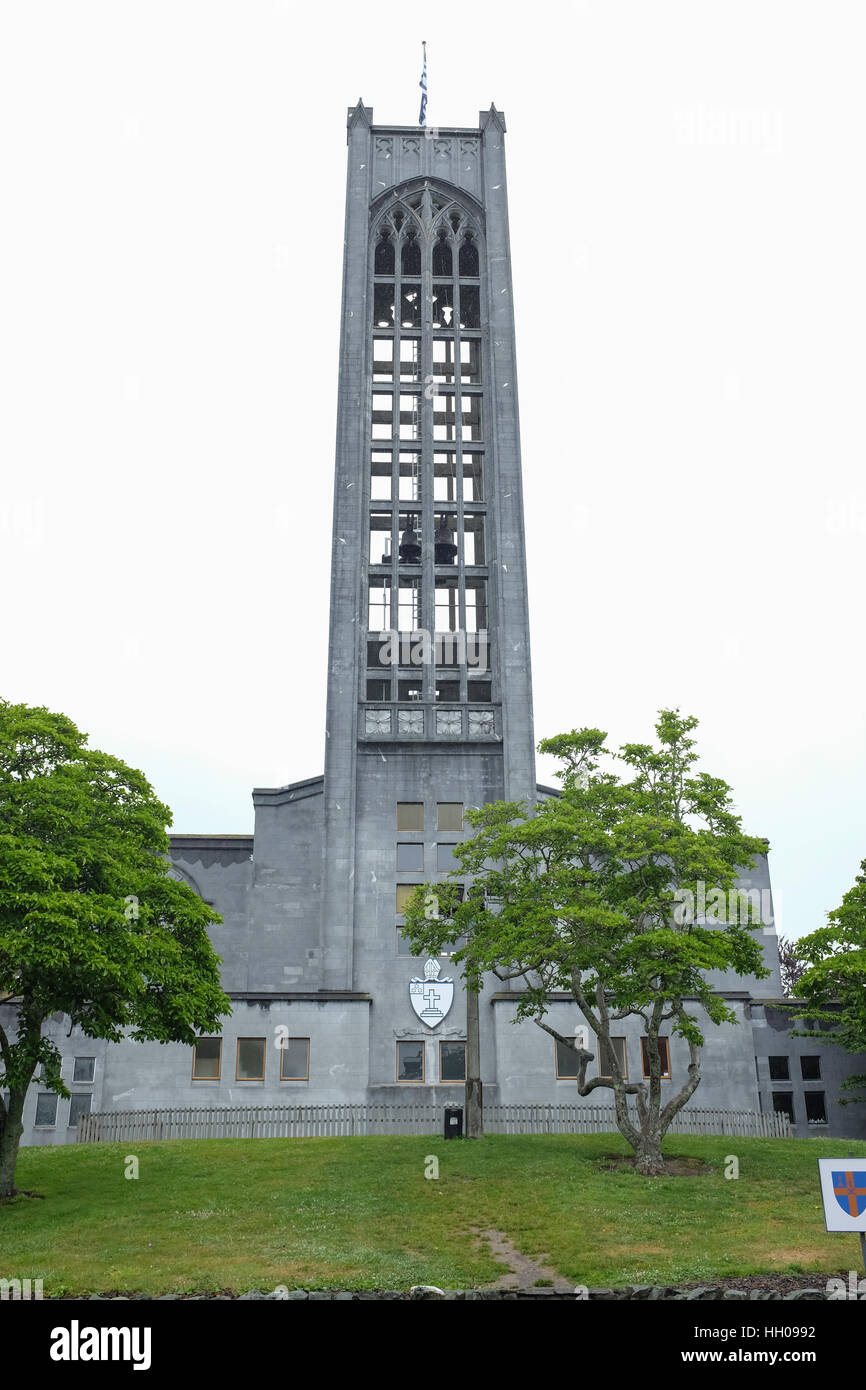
91, 926
833, 984
593, 892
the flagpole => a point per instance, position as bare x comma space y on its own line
422, 114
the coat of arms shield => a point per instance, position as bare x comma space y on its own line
431, 998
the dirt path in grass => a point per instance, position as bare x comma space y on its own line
524, 1273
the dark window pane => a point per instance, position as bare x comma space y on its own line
384, 262
410, 1061
470, 306
442, 257
83, 1068
816, 1109
383, 306
78, 1105
779, 1069
46, 1108
566, 1062
783, 1102
295, 1059
410, 815
449, 815
810, 1068
468, 258
410, 857
251, 1059
410, 256
452, 1061
206, 1059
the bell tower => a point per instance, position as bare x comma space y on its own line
429, 696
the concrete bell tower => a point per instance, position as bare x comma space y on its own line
429, 694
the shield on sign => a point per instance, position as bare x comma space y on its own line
849, 1190
431, 998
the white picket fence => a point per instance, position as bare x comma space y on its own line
320, 1121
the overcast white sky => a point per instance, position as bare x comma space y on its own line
688, 224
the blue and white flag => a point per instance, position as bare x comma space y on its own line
422, 116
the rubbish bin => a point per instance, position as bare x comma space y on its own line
454, 1122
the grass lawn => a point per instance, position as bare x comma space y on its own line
359, 1213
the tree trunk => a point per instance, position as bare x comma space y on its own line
648, 1154
474, 1110
11, 1130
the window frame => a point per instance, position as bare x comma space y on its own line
284, 1052
620, 1037
644, 1057
451, 1042
413, 829
251, 1038
211, 1037
405, 1042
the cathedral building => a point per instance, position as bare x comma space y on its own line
429, 712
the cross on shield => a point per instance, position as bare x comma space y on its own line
431, 998
849, 1190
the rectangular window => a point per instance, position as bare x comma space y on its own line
410, 415
446, 606
470, 419
404, 892
443, 359
378, 690
379, 652
83, 1069
383, 415
470, 361
783, 1104
476, 605
250, 1059
473, 477
445, 861
444, 418
452, 1061
810, 1068
383, 306
409, 605
816, 1109
779, 1069
379, 606
410, 477
206, 1055
480, 692
470, 306
444, 477
410, 857
443, 304
410, 305
473, 540
380, 475
410, 1061
410, 359
409, 690
46, 1110
566, 1062
295, 1059
619, 1047
380, 538
664, 1057
449, 815
383, 357
447, 690
79, 1105
410, 815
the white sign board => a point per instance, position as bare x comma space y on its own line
843, 1188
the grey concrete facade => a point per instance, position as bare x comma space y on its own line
309, 936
